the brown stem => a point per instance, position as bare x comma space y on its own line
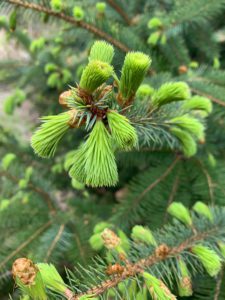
158, 180
211, 184
55, 241
172, 194
218, 284
137, 268
89, 27
120, 11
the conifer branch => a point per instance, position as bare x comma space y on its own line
158, 180
120, 11
26, 243
173, 193
96, 31
33, 187
218, 284
87, 26
55, 241
209, 180
134, 269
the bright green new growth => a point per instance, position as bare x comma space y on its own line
4, 204
94, 162
7, 160
144, 90
190, 124
69, 159
46, 138
77, 170
202, 209
154, 38
180, 212
189, 146
194, 64
78, 13
77, 185
142, 295
16, 99
208, 257
94, 75
36, 290
102, 51
154, 23
170, 92
123, 133
184, 282
51, 278
125, 242
211, 160
142, 234
101, 6
100, 166
96, 242
134, 70
157, 288
56, 5
37, 44
198, 103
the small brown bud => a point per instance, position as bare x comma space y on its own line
186, 282
116, 269
182, 69
63, 98
102, 92
111, 240
25, 270
162, 251
202, 141
74, 120
122, 256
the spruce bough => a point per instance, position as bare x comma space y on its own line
106, 110
136, 266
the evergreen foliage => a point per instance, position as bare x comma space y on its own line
130, 202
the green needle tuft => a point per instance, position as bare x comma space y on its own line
169, 92
208, 257
188, 143
190, 124
198, 103
102, 51
94, 75
94, 163
46, 138
100, 164
123, 133
135, 67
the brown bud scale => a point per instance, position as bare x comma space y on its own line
183, 69
116, 269
25, 270
162, 251
111, 240
63, 98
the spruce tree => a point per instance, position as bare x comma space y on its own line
118, 193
